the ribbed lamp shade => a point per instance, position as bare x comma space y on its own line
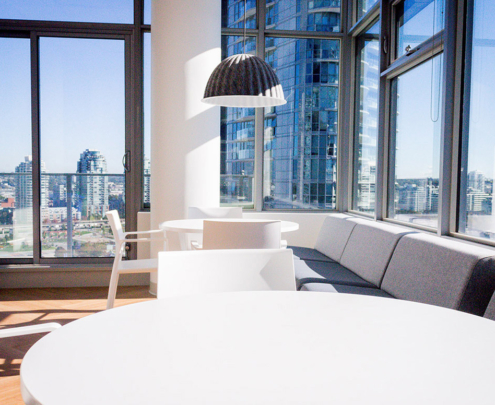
244, 81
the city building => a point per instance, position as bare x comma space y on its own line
146, 180
92, 190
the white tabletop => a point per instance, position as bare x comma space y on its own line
266, 348
196, 225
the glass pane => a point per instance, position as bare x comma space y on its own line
237, 141
147, 118
233, 15
147, 11
98, 11
417, 20
475, 212
366, 132
363, 6
415, 144
82, 141
16, 185
305, 15
300, 140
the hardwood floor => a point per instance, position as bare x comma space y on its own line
22, 307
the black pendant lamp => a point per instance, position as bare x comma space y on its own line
244, 80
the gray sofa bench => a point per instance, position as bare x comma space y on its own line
359, 256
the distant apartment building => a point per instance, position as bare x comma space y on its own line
24, 185
147, 180
418, 195
92, 190
58, 214
476, 180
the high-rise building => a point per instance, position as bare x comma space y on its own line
147, 180
300, 139
24, 185
92, 189
476, 181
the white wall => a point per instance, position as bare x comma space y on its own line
185, 133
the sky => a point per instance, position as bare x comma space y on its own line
81, 86
109, 11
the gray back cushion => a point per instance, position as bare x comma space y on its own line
333, 235
429, 269
369, 249
490, 310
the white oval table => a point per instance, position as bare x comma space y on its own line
265, 348
185, 226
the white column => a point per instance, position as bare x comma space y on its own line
185, 133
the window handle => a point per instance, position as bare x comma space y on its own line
126, 161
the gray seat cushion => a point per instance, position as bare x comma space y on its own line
439, 271
369, 249
304, 253
308, 271
345, 289
333, 235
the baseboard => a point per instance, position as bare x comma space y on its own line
61, 277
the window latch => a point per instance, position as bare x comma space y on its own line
409, 50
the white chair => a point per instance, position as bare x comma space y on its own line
232, 234
213, 271
29, 330
127, 266
195, 240
214, 212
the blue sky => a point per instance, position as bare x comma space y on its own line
109, 11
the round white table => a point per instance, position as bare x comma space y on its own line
265, 348
185, 226
196, 225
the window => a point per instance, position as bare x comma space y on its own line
82, 141
417, 20
415, 145
366, 126
363, 6
478, 143
309, 15
234, 15
71, 115
16, 182
289, 160
300, 139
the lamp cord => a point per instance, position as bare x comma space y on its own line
244, 23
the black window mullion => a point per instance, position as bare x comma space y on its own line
35, 125
259, 112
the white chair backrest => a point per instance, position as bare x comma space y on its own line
213, 271
114, 220
214, 212
233, 234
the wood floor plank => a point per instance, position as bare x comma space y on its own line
22, 307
